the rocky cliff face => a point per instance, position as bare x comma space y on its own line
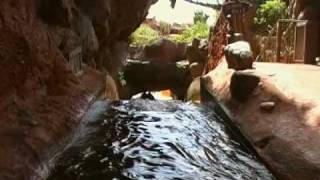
100, 27
41, 99
218, 41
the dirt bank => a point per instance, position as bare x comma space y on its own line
281, 117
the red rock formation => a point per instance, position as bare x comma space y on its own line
41, 99
279, 114
217, 42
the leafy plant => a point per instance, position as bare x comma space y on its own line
144, 35
122, 78
200, 16
268, 14
199, 30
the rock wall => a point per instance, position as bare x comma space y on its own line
41, 99
100, 27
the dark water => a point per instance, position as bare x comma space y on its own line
141, 139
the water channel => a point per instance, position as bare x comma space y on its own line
144, 139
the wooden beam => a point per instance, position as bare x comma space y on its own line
213, 6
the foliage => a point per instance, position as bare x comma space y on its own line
198, 30
122, 78
268, 14
144, 35
200, 16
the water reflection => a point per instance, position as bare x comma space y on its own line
142, 139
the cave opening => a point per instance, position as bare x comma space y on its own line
174, 40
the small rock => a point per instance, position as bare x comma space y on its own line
193, 92
242, 85
239, 55
267, 106
164, 51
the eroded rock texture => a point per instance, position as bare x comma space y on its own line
100, 27
41, 99
217, 42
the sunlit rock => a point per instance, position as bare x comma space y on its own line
239, 55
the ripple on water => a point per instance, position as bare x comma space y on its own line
143, 139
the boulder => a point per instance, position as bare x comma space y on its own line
196, 69
193, 93
239, 55
197, 51
162, 51
181, 51
242, 85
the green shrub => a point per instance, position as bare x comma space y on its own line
200, 16
198, 30
268, 14
144, 35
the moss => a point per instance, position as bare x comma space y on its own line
268, 14
199, 30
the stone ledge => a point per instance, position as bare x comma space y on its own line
287, 135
